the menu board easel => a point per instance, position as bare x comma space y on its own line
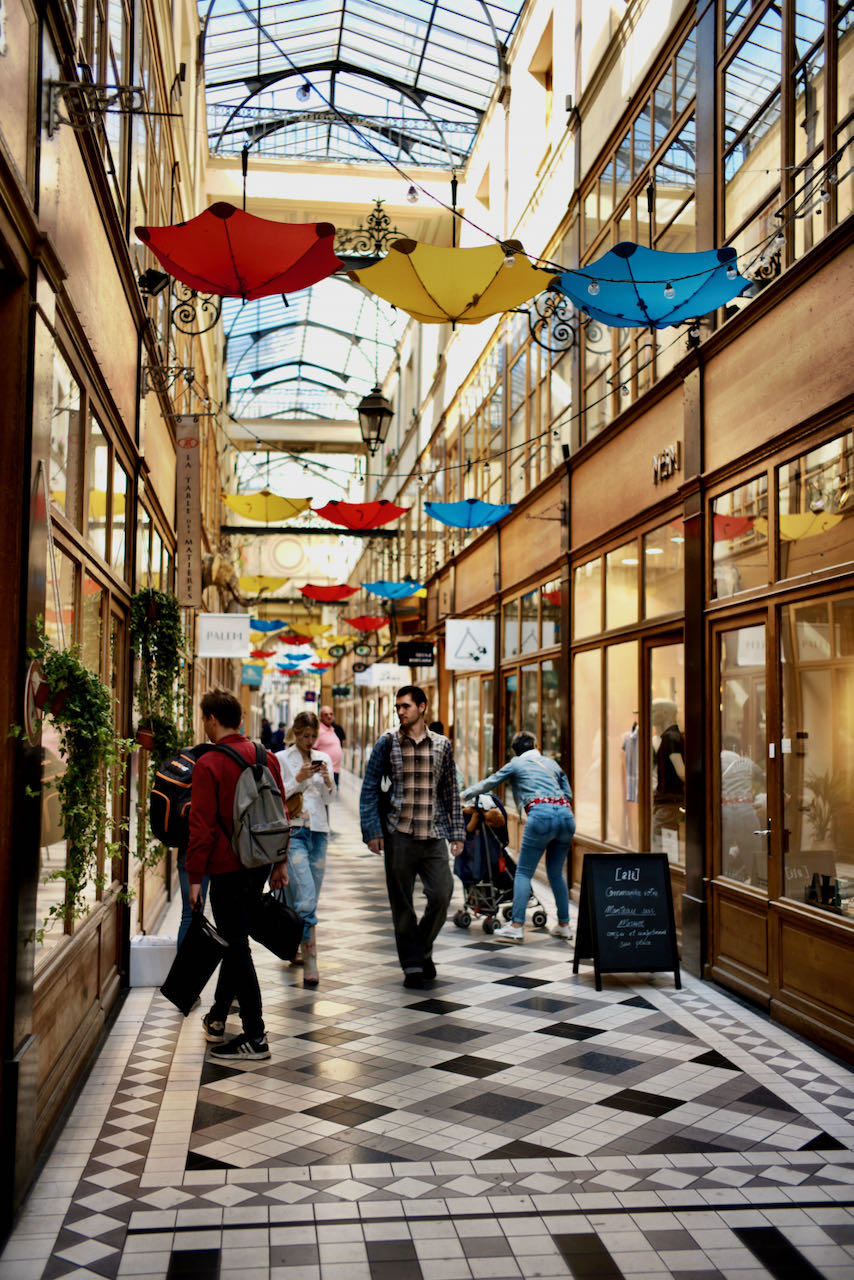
625, 916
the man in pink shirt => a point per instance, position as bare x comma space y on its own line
329, 739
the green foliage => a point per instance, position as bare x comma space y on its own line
81, 708
157, 637
829, 794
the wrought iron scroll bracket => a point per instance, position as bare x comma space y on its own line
194, 313
162, 378
81, 104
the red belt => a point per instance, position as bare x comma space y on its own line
739, 800
548, 800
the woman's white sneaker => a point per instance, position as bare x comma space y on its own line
507, 933
562, 931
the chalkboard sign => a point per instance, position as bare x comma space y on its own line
625, 917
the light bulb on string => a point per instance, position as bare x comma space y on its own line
593, 288
669, 291
412, 195
731, 271
509, 258
833, 178
304, 91
624, 390
763, 259
779, 239
824, 196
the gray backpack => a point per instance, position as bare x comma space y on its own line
261, 832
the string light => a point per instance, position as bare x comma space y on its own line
669, 291
412, 194
824, 196
303, 91
624, 390
731, 271
779, 239
593, 288
509, 258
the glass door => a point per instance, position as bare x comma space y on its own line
741, 792
665, 681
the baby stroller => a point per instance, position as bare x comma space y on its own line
486, 868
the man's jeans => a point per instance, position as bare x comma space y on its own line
306, 865
234, 896
404, 859
549, 830
186, 909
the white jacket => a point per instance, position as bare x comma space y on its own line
315, 793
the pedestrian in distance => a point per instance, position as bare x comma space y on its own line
423, 813
235, 890
277, 738
307, 772
541, 791
329, 741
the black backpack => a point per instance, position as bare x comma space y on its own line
169, 802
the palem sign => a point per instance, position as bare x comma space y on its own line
667, 463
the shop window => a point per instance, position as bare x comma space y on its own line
816, 509
487, 726
143, 547
587, 741
550, 613
511, 711
667, 718
739, 533
530, 635
817, 665
156, 560
97, 482
735, 12
621, 585
529, 702
65, 441
751, 108
621, 719
92, 625
742, 786
60, 602
551, 709
466, 727
118, 553
587, 599
510, 629
663, 570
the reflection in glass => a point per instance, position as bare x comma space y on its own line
621, 718
666, 716
487, 728
818, 772
529, 710
65, 441
663, 570
59, 629
743, 751
587, 742
550, 612
530, 623
587, 599
97, 478
551, 713
511, 712
510, 629
621, 585
740, 539
120, 491
816, 508
92, 622
751, 120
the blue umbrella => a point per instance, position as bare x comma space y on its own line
471, 513
632, 287
263, 624
394, 590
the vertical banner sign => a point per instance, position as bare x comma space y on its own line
188, 516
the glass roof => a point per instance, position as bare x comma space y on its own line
353, 79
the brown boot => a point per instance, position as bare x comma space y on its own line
310, 976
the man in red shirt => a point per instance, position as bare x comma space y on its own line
329, 739
234, 889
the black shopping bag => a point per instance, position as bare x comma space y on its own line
198, 956
276, 926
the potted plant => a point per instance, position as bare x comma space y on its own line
94, 755
829, 795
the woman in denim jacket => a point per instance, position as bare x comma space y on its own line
541, 790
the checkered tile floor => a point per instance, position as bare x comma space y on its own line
509, 1121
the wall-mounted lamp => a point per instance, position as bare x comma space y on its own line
152, 282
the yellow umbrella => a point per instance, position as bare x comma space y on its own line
329, 641
314, 628
456, 286
800, 524
255, 583
264, 506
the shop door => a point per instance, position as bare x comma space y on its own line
664, 679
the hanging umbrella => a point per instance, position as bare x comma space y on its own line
238, 255
321, 666
295, 639
262, 653
453, 286
367, 623
315, 629
360, 515
553, 597
394, 590
338, 591
800, 524
289, 671
255, 583
725, 527
264, 506
266, 624
630, 287
471, 513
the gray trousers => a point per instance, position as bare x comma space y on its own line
406, 858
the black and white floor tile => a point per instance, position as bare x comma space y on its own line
508, 1121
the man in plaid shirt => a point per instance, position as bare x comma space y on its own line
424, 813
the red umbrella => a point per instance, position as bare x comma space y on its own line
320, 666
360, 515
340, 591
296, 640
238, 255
262, 653
365, 622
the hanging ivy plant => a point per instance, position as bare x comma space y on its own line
81, 708
157, 636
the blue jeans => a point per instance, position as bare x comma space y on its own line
306, 865
186, 909
549, 830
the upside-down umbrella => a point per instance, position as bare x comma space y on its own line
394, 590
553, 597
471, 513
336, 591
360, 515
289, 671
366, 622
254, 583
266, 624
800, 524
262, 653
314, 629
296, 639
631, 287
321, 666
235, 254
264, 506
725, 527
453, 286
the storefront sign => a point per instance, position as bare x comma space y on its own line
415, 653
188, 524
382, 675
223, 635
469, 644
341, 691
310, 696
252, 675
667, 463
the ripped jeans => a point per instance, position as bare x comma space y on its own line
306, 865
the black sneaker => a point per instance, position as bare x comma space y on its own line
429, 970
240, 1048
214, 1031
414, 980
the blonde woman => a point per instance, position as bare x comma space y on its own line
308, 773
